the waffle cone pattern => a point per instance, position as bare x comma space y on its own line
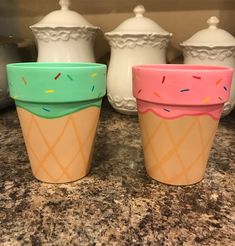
60, 150
176, 150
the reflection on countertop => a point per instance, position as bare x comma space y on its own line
117, 203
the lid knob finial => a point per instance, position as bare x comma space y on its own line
139, 11
64, 4
213, 22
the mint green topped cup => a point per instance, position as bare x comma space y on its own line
51, 90
58, 105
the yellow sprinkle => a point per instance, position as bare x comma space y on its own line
137, 77
206, 99
93, 75
14, 97
50, 91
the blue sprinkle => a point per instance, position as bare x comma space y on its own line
167, 110
45, 109
225, 88
184, 90
69, 77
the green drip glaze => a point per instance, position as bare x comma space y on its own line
51, 110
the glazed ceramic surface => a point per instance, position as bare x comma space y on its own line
212, 46
179, 108
64, 36
137, 40
58, 105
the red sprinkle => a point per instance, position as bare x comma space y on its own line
196, 77
57, 76
139, 91
220, 98
163, 79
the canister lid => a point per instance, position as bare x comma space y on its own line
63, 18
139, 25
211, 36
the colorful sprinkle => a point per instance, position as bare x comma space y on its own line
220, 98
156, 94
225, 88
93, 87
24, 80
167, 110
184, 90
93, 75
196, 77
206, 99
14, 97
218, 81
45, 109
57, 76
163, 79
69, 77
50, 91
139, 91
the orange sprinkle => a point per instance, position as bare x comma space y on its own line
156, 94
24, 80
206, 99
218, 81
136, 77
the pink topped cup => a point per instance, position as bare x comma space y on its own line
179, 108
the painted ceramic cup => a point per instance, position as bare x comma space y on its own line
179, 107
58, 105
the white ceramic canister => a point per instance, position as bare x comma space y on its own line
212, 46
9, 53
64, 36
138, 40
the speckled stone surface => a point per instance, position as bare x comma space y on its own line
117, 203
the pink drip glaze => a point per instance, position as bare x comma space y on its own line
172, 112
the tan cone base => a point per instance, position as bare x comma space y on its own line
176, 150
60, 150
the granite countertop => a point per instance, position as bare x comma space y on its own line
117, 203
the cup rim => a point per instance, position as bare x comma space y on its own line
182, 67
59, 65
